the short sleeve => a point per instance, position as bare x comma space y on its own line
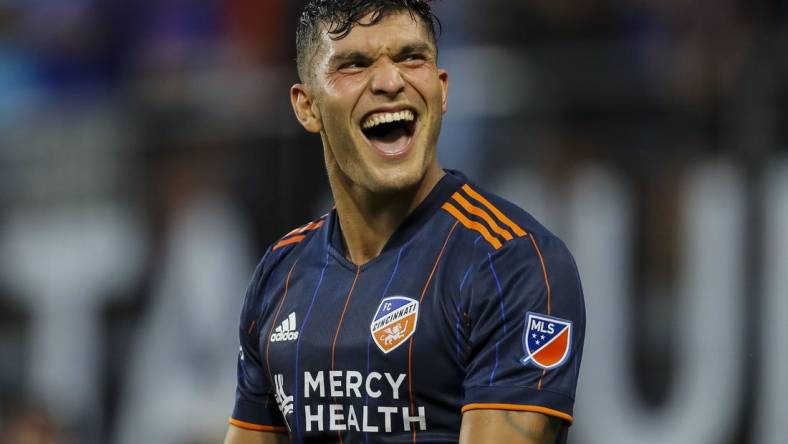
255, 404
526, 330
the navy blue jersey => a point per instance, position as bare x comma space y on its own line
472, 304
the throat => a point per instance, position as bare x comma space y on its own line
365, 234
369, 220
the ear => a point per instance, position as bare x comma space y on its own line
305, 111
443, 76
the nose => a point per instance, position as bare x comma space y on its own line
387, 79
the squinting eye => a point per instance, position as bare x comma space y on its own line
352, 67
413, 58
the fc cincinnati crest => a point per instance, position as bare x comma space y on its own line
394, 322
546, 340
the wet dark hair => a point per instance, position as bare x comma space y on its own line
339, 17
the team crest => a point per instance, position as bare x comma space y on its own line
546, 340
394, 322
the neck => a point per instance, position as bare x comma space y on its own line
369, 219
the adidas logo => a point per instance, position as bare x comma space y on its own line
286, 331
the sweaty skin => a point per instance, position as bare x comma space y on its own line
388, 67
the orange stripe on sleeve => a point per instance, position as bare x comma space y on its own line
294, 231
483, 214
521, 408
257, 427
308, 227
516, 228
473, 225
311, 226
288, 241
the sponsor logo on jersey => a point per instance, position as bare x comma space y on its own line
337, 400
285, 402
547, 340
286, 331
394, 322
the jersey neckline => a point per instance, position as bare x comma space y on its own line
413, 223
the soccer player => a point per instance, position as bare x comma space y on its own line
421, 308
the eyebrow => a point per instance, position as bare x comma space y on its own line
414, 47
348, 56
355, 55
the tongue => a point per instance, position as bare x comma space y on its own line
392, 142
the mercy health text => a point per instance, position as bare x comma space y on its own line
335, 385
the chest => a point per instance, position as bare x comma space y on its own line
379, 348
328, 317
375, 345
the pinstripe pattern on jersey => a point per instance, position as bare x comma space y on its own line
275, 321
298, 345
410, 341
475, 214
339, 327
503, 316
549, 289
369, 337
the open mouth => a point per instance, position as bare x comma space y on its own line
390, 132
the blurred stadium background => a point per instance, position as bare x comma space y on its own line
148, 154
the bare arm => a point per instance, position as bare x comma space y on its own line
511, 427
237, 435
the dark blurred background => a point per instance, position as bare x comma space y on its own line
148, 155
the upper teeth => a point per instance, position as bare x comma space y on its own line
376, 119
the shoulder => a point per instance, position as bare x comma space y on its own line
281, 254
493, 232
497, 233
514, 254
299, 234
534, 242
499, 223
284, 248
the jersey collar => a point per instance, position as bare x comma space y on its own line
415, 221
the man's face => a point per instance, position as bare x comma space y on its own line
378, 100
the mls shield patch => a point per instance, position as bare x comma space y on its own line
394, 322
546, 340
